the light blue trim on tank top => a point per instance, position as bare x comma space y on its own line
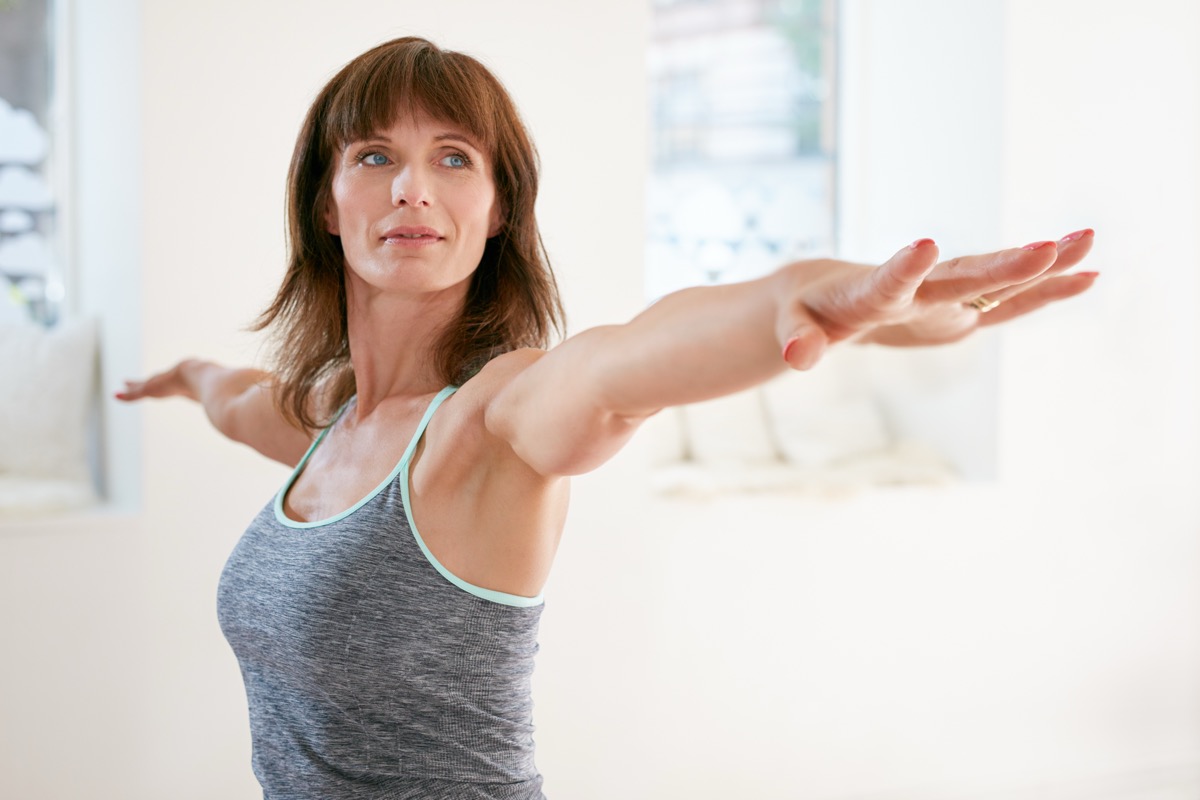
486, 594
400, 469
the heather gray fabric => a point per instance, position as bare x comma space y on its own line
370, 671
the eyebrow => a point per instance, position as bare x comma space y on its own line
457, 137
447, 136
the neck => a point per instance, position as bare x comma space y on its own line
392, 337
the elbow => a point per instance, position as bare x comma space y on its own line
228, 424
233, 417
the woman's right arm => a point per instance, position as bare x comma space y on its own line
239, 402
566, 411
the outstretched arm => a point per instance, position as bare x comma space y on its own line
238, 402
574, 407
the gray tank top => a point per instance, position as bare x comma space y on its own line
371, 670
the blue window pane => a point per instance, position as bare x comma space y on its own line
742, 138
30, 283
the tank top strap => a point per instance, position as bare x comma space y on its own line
433, 406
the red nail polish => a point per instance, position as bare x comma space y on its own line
1077, 235
1036, 245
1088, 274
787, 348
919, 243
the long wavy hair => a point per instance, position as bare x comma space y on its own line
512, 300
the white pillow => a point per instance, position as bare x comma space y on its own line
32, 496
730, 430
46, 381
827, 415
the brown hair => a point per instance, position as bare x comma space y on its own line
512, 300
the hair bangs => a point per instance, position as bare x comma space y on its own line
398, 82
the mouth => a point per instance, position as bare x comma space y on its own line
409, 236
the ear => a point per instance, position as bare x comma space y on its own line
331, 217
496, 221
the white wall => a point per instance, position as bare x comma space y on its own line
1042, 628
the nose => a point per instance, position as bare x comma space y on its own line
410, 187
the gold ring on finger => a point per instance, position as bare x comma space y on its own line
983, 304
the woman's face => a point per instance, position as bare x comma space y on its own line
414, 206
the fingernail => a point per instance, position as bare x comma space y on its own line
787, 348
1077, 235
1089, 274
919, 243
1036, 245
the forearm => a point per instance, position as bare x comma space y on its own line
695, 344
239, 402
567, 411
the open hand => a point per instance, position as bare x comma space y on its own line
913, 299
168, 383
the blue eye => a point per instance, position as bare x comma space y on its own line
373, 159
455, 160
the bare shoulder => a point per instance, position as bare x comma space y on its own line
549, 409
545, 409
478, 395
502, 369
463, 420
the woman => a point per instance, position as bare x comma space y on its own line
384, 606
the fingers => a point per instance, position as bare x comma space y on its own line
1048, 291
1006, 273
856, 298
163, 384
914, 299
805, 347
898, 279
1072, 249
803, 340
960, 279
134, 390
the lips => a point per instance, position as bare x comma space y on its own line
411, 235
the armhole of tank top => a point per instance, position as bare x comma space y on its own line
491, 595
282, 493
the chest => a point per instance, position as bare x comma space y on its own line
346, 467
482, 514
354, 607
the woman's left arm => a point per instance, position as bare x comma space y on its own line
567, 411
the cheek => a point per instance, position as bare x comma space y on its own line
488, 205
351, 196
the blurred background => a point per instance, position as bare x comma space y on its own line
999, 599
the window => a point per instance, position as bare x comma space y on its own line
751, 167
742, 139
30, 253
47, 360
743, 179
